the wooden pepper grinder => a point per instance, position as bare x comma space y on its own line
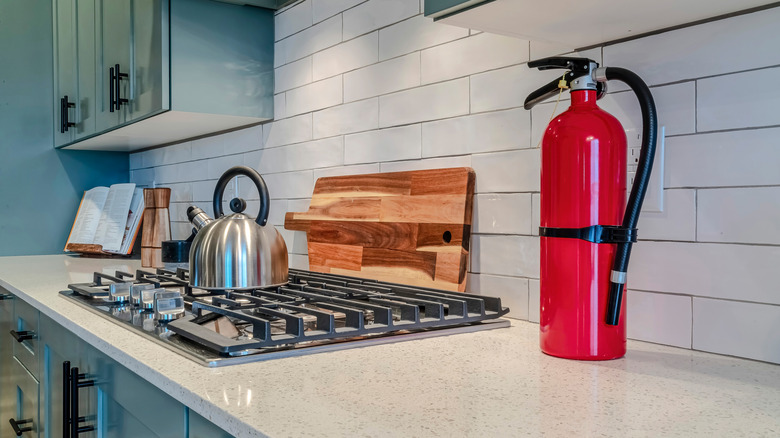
157, 226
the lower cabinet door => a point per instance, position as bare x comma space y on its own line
24, 421
200, 427
7, 395
129, 406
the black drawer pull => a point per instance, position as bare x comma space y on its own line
4, 297
23, 335
20, 430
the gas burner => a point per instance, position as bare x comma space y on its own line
312, 312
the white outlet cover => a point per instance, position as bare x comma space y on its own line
654, 199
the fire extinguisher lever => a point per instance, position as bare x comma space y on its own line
578, 77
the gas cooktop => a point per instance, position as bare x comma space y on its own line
313, 312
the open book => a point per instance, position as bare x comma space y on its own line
108, 220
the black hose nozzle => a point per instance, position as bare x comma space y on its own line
614, 302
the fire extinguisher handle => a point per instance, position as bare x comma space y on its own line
564, 62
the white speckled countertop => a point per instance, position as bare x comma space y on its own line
489, 383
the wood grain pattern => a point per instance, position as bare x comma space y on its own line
156, 226
408, 227
336, 256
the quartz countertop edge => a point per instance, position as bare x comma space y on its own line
487, 383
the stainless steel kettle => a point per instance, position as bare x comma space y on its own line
236, 252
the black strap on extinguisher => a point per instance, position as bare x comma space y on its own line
594, 233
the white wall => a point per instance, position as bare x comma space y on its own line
373, 86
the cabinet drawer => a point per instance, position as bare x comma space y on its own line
25, 413
25, 334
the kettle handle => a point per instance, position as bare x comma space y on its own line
265, 198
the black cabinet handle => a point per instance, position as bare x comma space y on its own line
4, 297
111, 79
64, 123
117, 77
71, 382
23, 335
20, 430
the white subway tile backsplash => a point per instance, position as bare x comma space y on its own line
415, 34
659, 318
471, 55
495, 131
385, 77
207, 147
707, 269
311, 40
513, 292
293, 20
516, 256
534, 300
355, 169
402, 143
744, 215
290, 184
506, 88
136, 160
243, 140
293, 75
375, 14
675, 105
350, 55
323, 9
508, 213
743, 158
738, 43
280, 106
426, 163
299, 261
536, 209
203, 191
741, 100
437, 101
315, 96
309, 155
677, 221
287, 131
515, 171
344, 119
180, 192
295, 240
739, 329
299, 205
217, 166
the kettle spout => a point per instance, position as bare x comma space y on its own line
198, 217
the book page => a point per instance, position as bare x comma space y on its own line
133, 221
88, 216
111, 228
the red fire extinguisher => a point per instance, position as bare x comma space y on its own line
586, 226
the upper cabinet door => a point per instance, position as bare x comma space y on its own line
85, 57
114, 39
149, 92
65, 71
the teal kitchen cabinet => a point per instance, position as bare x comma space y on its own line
150, 72
441, 8
74, 70
7, 394
114, 403
24, 422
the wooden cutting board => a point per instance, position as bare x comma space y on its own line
403, 227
